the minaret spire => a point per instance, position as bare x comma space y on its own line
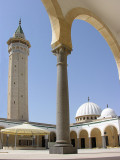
20, 22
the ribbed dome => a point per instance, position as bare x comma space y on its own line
108, 112
88, 108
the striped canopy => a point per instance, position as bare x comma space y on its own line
25, 129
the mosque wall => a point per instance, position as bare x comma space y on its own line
97, 129
80, 133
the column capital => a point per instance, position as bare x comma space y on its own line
62, 49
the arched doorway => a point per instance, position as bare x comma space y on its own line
111, 135
52, 137
73, 138
83, 139
96, 139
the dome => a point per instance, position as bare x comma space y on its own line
108, 112
88, 108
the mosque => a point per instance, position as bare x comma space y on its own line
94, 128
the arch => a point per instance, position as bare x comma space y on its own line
2, 127
111, 134
57, 21
97, 129
112, 125
61, 27
52, 137
96, 22
73, 138
96, 139
83, 139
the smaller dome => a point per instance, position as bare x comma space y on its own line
108, 112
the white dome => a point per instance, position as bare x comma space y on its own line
88, 108
108, 112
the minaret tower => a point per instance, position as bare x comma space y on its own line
18, 48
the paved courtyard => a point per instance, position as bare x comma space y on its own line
85, 154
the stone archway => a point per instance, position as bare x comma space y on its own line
111, 135
96, 139
83, 139
73, 138
100, 26
61, 27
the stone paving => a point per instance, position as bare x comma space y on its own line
85, 154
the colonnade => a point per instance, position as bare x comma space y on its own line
94, 138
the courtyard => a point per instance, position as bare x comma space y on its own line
86, 154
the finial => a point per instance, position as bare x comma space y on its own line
107, 105
88, 99
20, 22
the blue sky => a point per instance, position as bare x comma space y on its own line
92, 69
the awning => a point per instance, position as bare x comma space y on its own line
25, 129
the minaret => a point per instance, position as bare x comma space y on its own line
18, 48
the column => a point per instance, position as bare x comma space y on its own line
119, 139
78, 143
90, 146
103, 142
1, 141
37, 141
46, 141
7, 137
33, 141
15, 140
62, 126
62, 116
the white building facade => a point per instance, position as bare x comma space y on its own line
95, 132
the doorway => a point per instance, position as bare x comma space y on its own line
106, 139
73, 142
43, 141
82, 143
93, 142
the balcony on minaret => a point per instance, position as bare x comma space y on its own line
18, 37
